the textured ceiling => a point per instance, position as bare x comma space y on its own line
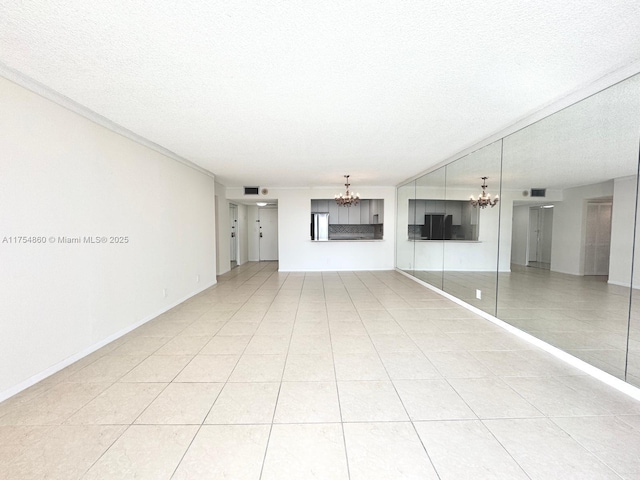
285, 93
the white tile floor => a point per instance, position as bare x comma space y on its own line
358, 375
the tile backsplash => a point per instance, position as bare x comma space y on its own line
355, 232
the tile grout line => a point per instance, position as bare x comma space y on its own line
396, 390
344, 437
284, 367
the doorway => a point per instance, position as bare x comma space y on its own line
268, 234
540, 234
233, 241
597, 245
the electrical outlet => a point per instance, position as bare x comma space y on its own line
164, 292
478, 294
198, 278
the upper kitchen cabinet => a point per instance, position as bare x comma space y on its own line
353, 214
376, 211
367, 212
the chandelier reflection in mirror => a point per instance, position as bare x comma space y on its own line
348, 198
484, 199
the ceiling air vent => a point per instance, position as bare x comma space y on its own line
538, 192
251, 190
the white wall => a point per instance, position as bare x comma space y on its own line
569, 224
520, 234
64, 175
297, 252
243, 237
224, 231
622, 225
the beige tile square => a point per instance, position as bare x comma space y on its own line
466, 449
208, 369
202, 328
352, 344
245, 403
318, 327
106, 369
394, 343
309, 368
226, 345
544, 450
271, 327
144, 451
370, 402
609, 439
386, 451
268, 344
55, 405
408, 366
310, 344
183, 345
240, 327
359, 366
121, 403
181, 404
459, 364
341, 327
140, 345
490, 397
258, 368
225, 452
432, 400
55, 452
434, 342
306, 451
308, 402
157, 368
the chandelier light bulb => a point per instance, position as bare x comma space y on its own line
484, 199
347, 199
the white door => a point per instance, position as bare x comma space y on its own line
598, 239
268, 229
540, 234
233, 241
534, 232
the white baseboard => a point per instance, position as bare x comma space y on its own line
10, 392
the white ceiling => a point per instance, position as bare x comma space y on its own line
282, 93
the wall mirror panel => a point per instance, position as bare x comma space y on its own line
571, 249
405, 247
429, 227
560, 243
470, 266
633, 350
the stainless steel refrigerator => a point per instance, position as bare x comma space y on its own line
319, 226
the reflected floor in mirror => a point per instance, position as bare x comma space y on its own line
271, 375
582, 315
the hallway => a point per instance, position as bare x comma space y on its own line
345, 375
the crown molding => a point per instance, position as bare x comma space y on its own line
46, 92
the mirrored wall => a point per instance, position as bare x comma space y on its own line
555, 255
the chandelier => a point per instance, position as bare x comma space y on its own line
484, 199
347, 199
